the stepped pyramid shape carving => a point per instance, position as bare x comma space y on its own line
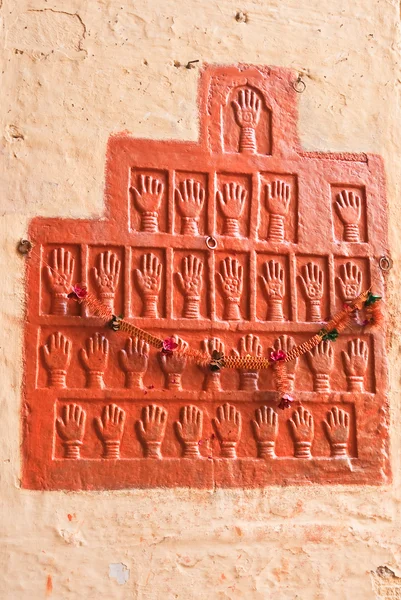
241, 242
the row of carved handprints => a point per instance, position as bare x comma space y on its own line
191, 284
134, 359
231, 199
151, 429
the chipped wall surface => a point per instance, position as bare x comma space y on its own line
74, 73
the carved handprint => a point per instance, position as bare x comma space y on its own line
274, 287
302, 429
249, 345
190, 197
350, 281
189, 430
232, 201
349, 209
337, 430
106, 276
190, 282
265, 427
278, 197
227, 425
71, 428
134, 361
247, 115
231, 278
212, 381
152, 428
94, 359
59, 276
312, 281
149, 279
148, 199
110, 428
57, 357
173, 364
355, 364
321, 362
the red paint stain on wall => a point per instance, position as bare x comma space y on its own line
49, 586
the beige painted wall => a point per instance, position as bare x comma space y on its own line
73, 72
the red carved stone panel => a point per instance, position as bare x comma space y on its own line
239, 243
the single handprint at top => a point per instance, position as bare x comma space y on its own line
249, 345
231, 279
149, 279
228, 425
274, 287
106, 276
148, 199
350, 281
190, 282
337, 430
94, 358
59, 275
348, 205
232, 201
190, 196
134, 361
312, 282
57, 357
265, 428
189, 430
212, 378
110, 428
247, 114
71, 428
174, 363
151, 429
321, 362
355, 364
302, 429
278, 197
286, 343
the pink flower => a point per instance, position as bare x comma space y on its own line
169, 344
78, 292
285, 401
277, 355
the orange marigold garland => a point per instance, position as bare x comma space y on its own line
364, 311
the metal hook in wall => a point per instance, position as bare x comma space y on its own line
299, 85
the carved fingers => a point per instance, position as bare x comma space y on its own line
110, 428
349, 206
337, 430
302, 429
57, 352
152, 428
107, 272
350, 281
247, 109
149, 193
278, 197
232, 200
265, 428
71, 429
190, 196
227, 425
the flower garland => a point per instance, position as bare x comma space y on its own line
364, 311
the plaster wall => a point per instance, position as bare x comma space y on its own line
75, 72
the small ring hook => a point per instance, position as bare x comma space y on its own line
299, 85
211, 242
385, 263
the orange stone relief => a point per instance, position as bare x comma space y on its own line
241, 243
